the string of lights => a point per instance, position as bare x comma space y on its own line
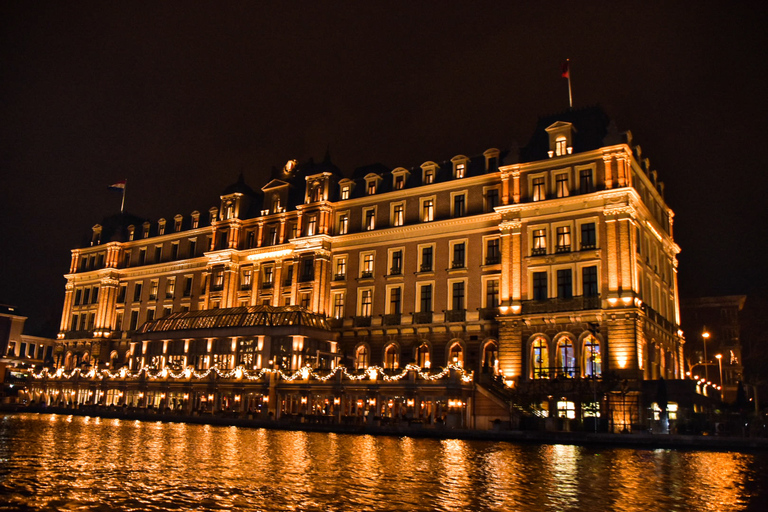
239, 373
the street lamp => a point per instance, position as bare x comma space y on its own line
705, 337
720, 363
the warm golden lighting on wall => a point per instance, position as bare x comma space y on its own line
622, 362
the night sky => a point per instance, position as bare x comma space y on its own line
179, 98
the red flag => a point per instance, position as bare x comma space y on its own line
565, 69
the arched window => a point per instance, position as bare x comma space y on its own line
490, 357
566, 357
540, 358
391, 357
68, 361
456, 355
423, 357
593, 361
362, 357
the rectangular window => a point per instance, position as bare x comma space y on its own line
460, 169
134, 320
398, 214
170, 288
539, 192
563, 239
459, 205
187, 286
399, 182
217, 282
268, 277
396, 265
426, 259
458, 255
425, 299
175, 251
338, 305
429, 176
367, 268
492, 293
142, 255
345, 192
288, 280
492, 252
457, 298
246, 279
564, 283
307, 269
539, 242
86, 296
561, 185
304, 300
540, 286
371, 187
341, 269
137, 292
588, 236
343, 224
127, 259
167, 310
312, 226
428, 210
153, 286
150, 315
370, 219
491, 199
158, 253
585, 181
589, 281
192, 248
366, 301
95, 295
121, 294
395, 297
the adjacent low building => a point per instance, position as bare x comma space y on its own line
511, 285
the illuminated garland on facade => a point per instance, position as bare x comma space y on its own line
305, 373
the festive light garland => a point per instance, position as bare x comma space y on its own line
238, 373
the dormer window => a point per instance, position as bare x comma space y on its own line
459, 166
177, 223
371, 187
195, 219
213, 214
146, 229
399, 176
399, 182
131, 232
560, 146
460, 169
429, 176
275, 203
345, 192
372, 183
429, 172
161, 227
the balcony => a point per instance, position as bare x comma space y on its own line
457, 264
539, 251
362, 321
558, 305
392, 319
456, 315
395, 271
562, 248
366, 274
423, 317
338, 277
587, 246
492, 260
425, 268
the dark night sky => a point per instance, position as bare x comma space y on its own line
181, 98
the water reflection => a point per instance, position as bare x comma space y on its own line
68, 463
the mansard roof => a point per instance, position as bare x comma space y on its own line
239, 187
591, 124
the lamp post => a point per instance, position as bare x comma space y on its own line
720, 363
705, 337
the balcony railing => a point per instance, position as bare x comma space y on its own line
556, 305
488, 313
392, 319
455, 315
395, 271
492, 260
457, 264
366, 275
339, 277
362, 321
422, 317
268, 285
562, 248
539, 251
586, 246
425, 268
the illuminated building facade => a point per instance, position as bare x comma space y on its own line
543, 271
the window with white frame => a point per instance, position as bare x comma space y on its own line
425, 297
366, 265
561, 146
429, 175
399, 182
395, 262
370, 187
398, 214
426, 258
563, 239
538, 188
312, 225
427, 209
369, 219
585, 181
170, 287
459, 254
492, 293
343, 223
345, 191
459, 204
395, 294
366, 302
492, 251
561, 185
338, 305
340, 268
588, 235
460, 170
491, 199
458, 295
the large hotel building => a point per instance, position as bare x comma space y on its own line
533, 283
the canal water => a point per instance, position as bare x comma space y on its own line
71, 463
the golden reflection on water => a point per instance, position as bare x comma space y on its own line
72, 463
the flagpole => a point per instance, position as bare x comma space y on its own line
570, 95
122, 205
